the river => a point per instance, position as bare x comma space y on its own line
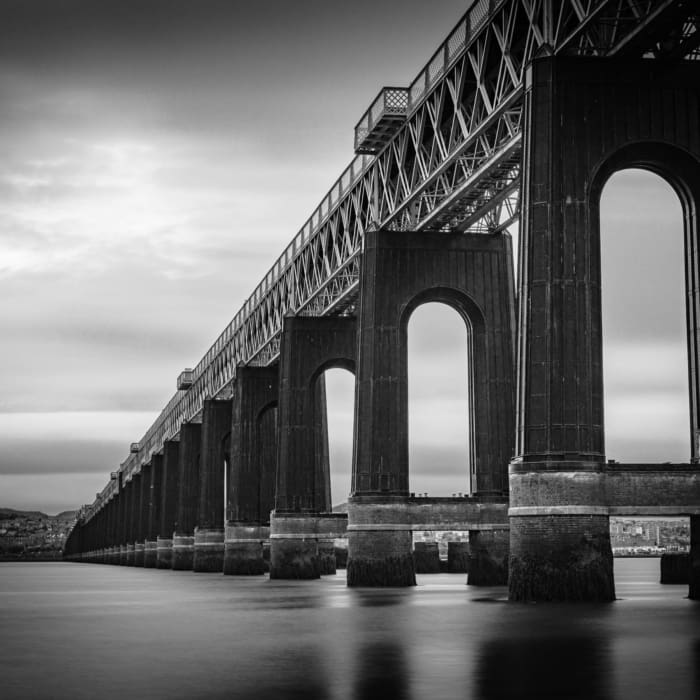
96, 631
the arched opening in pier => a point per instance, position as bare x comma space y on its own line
439, 420
266, 450
340, 402
645, 357
226, 452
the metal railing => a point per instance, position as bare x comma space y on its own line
391, 101
473, 20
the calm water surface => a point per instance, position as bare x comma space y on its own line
94, 631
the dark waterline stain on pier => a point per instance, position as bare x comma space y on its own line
92, 631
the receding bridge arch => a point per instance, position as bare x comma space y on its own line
338, 381
442, 435
681, 170
643, 309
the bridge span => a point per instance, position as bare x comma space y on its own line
520, 116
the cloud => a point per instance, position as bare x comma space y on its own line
58, 461
50, 493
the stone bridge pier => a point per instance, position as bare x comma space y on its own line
251, 474
584, 120
134, 506
123, 515
187, 496
112, 553
168, 504
150, 554
141, 506
215, 455
401, 270
302, 526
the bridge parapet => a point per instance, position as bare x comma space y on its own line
470, 24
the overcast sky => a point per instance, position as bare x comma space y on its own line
157, 156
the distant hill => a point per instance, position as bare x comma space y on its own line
66, 515
12, 513
36, 514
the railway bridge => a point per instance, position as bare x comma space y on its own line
519, 118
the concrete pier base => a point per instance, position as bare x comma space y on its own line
164, 553
139, 550
293, 547
294, 558
294, 543
674, 568
458, 557
129, 554
183, 552
488, 557
341, 556
326, 556
380, 543
150, 554
381, 558
243, 549
123, 555
208, 551
560, 558
426, 556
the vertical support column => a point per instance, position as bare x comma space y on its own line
560, 533
150, 555
188, 496
251, 482
382, 556
93, 536
123, 516
73, 547
302, 500
694, 559
142, 514
488, 557
112, 530
209, 533
133, 489
168, 506
104, 533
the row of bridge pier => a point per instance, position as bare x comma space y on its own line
253, 470
253, 467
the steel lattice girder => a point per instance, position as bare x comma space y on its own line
454, 165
